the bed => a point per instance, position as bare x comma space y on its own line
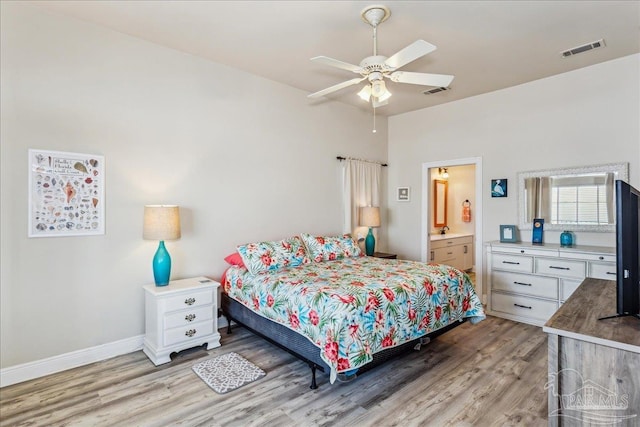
341, 312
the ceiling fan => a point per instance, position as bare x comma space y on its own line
377, 67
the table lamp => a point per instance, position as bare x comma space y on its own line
370, 217
161, 222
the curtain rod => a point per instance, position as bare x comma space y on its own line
362, 160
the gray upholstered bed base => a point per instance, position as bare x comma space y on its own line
299, 345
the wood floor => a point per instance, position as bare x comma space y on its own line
488, 374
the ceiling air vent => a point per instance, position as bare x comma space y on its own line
436, 90
585, 47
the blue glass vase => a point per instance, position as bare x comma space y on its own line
161, 265
566, 239
370, 243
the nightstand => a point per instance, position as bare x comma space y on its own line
181, 315
384, 255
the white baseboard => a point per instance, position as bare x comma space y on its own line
51, 365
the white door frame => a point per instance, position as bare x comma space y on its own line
426, 215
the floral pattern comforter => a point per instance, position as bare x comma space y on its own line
354, 307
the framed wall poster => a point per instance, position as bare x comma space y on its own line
66, 194
508, 234
404, 194
498, 188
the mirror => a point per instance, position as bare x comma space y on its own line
576, 199
439, 203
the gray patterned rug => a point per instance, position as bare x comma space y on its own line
227, 372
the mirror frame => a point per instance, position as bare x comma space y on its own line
621, 169
436, 183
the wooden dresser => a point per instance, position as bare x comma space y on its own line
594, 365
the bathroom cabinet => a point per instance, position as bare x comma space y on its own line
452, 249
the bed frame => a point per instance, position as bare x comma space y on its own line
299, 346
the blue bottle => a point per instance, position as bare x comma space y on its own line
566, 239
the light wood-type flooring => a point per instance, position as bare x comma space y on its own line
492, 373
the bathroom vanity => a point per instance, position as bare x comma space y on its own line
455, 250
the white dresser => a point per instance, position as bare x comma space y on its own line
528, 282
179, 316
452, 249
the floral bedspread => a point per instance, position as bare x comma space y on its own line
354, 307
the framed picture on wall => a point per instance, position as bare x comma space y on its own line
404, 194
498, 188
66, 194
508, 234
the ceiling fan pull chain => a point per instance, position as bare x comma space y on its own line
374, 120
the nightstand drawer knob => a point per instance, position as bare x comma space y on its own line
190, 301
190, 333
189, 317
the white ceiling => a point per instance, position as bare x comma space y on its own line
487, 45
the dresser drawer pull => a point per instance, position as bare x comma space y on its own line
511, 262
192, 332
432, 256
523, 284
600, 258
522, 306
449, 253
190, 317
612, 273
559, 268
190, 301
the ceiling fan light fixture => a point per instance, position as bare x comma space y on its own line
386, 95
365, 93
378, 88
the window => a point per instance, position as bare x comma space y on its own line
579, 204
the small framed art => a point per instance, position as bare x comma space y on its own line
404, 194
498, 188
508, 234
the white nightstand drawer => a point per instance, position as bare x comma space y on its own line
188, 333
546, 287
603, 270
561, 267
188, 300
523, 306
188, 316
522, 264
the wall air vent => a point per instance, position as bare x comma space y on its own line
436, 90
585, 47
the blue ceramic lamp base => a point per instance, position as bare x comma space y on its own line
370, 243
161, 265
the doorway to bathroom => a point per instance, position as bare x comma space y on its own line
452, 204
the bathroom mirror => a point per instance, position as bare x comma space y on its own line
576, 199
439, 203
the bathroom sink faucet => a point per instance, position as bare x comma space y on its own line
444, 229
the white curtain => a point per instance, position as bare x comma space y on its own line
361, 187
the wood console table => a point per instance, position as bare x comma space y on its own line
594, 365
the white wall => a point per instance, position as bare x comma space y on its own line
246, 159
584, 117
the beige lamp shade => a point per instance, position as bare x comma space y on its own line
370, 216
161, 222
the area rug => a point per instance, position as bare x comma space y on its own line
227, 372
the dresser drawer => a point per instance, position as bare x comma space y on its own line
522, 250
569, 286
546, 287
602, 270
188, 316
523, 264
523, 306
188, 333
561, 267
588, 256
187, 300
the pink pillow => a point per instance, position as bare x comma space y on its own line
235, 259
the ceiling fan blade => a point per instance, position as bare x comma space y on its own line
337, 87
424, 79
410, 53
336, 63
